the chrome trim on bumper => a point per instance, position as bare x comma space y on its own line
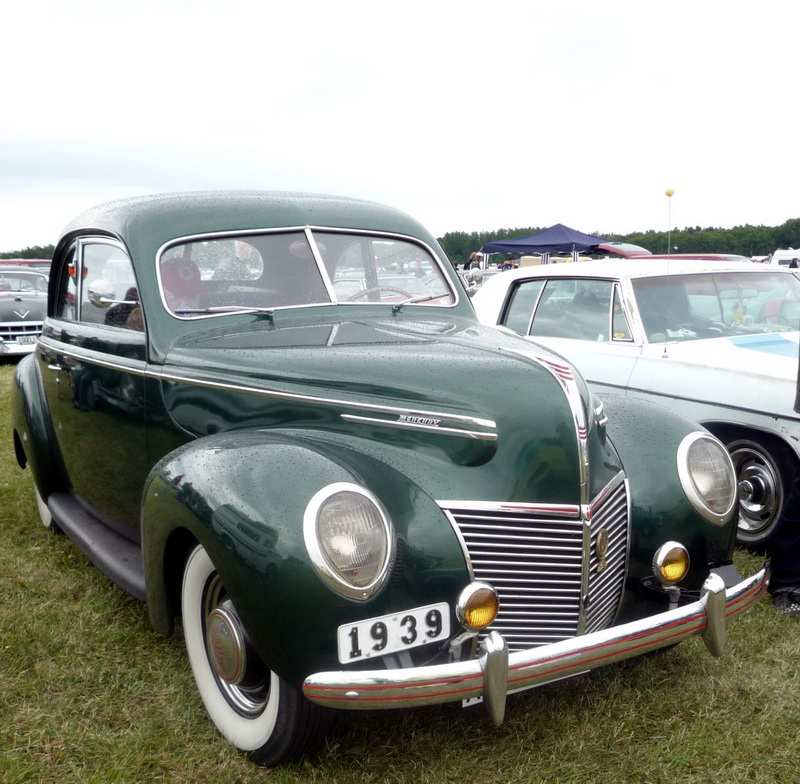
482, 677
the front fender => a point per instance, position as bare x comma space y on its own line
651, 466
242, 495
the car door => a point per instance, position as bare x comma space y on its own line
584, 319
92, 359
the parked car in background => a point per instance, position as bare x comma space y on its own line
783, 257
693, 256
354, 501
714, 341
42, 265
23, 304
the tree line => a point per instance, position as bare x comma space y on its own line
743, 240
35, 252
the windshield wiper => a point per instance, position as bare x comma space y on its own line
422, 298
268, 312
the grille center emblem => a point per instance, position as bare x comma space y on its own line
601, 548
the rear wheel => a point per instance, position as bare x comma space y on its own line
764, 473
255, 709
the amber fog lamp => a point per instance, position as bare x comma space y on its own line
477, 606
671, 563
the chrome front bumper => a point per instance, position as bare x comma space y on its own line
496, 671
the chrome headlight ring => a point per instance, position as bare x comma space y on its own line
349, 539
707, 476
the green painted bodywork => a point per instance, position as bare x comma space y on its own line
234, 424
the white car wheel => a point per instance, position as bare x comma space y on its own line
250, 705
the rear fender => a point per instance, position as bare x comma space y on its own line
34, 440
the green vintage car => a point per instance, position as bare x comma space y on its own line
352, 494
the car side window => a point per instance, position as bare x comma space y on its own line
517, 315
620, 326
574, 308
109, 294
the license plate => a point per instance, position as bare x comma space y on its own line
395, 632
26, 340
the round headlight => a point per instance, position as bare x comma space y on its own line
670, 563
349, 539
707, 476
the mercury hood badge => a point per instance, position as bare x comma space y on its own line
418, 420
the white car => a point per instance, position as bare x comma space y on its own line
714, 341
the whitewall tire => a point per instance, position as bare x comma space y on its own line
260, 715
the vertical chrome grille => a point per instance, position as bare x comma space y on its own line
605, 587
535, 561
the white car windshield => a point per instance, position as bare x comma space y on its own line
693, 307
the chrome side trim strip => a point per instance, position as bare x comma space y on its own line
448, 431
140, 368
275, 395
135, 366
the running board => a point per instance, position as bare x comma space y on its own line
115, 556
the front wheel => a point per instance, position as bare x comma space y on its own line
764, 475
255, 709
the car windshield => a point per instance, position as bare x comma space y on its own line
693, 307
23, 282
264, 271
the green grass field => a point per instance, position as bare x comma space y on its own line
89, 693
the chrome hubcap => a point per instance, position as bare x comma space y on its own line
759, 490
226, 647
241, 675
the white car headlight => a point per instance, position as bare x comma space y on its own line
349, 539
707, 476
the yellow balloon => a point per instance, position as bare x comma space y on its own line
669, 191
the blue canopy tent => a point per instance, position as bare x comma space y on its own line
555, 239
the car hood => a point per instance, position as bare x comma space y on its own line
468, 391
773, 355
22, 307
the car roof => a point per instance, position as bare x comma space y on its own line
632, 268
159, 218
5, 269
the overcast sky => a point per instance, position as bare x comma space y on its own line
471, 116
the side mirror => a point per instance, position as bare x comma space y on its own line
101, 293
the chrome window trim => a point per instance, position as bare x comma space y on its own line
306, 230
311, 539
